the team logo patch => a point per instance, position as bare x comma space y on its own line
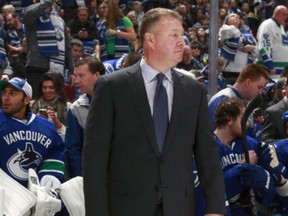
20, 162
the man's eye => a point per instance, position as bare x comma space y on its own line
175, 35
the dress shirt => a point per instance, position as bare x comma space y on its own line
150, 82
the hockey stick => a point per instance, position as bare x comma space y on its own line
254, 103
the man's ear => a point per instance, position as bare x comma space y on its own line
96, 75
27, 100
149, 38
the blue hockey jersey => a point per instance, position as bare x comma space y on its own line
32, 143
230, 157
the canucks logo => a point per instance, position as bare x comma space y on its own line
20, 162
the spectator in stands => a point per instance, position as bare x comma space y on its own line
84, 29
126, 60
188, 62
221, 81
3, 53
197, 16
86, 73
137, 7
69, 8
273, 41
120, 32
222, 11
245, 8
202, 40
81, 27
19, 5
6, 9
51, 102
204, 22
131, 59
233, 7
198, 5
42, 56
268, 7
132, 16
238, 46
77, 49
187, 18
92, 11
192, 35
253, 17
250, 82
15, 34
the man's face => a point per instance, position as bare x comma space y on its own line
283, 17
11, 22
84, 79
187, 55
76, 52
255, 87
14, 102
195, 52
168, 41
82, 16
235, 125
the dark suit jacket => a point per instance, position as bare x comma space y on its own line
122, 167
273, 126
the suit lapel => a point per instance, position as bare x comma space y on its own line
139, 95
179, 91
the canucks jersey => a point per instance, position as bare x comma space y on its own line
230, 156
32, 143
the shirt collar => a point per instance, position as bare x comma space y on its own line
149, 73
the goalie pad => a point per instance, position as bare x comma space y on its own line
17, 199
72, 195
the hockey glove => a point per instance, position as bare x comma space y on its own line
253, 176
270, 161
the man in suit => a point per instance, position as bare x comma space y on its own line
129, 167
273, 126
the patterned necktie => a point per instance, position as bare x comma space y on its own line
160, 112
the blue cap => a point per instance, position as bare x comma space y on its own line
19, 84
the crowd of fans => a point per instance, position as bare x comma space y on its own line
47, 42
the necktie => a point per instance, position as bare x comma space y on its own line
160, 112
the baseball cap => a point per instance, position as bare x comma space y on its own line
19, 84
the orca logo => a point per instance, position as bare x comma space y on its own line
59, 36
20, 162
44, 19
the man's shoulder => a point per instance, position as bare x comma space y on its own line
3, 117
82, 101
224, 93
42, 123
268, 22
123, 73
277, 107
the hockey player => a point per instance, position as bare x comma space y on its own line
239, 176
28, 140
